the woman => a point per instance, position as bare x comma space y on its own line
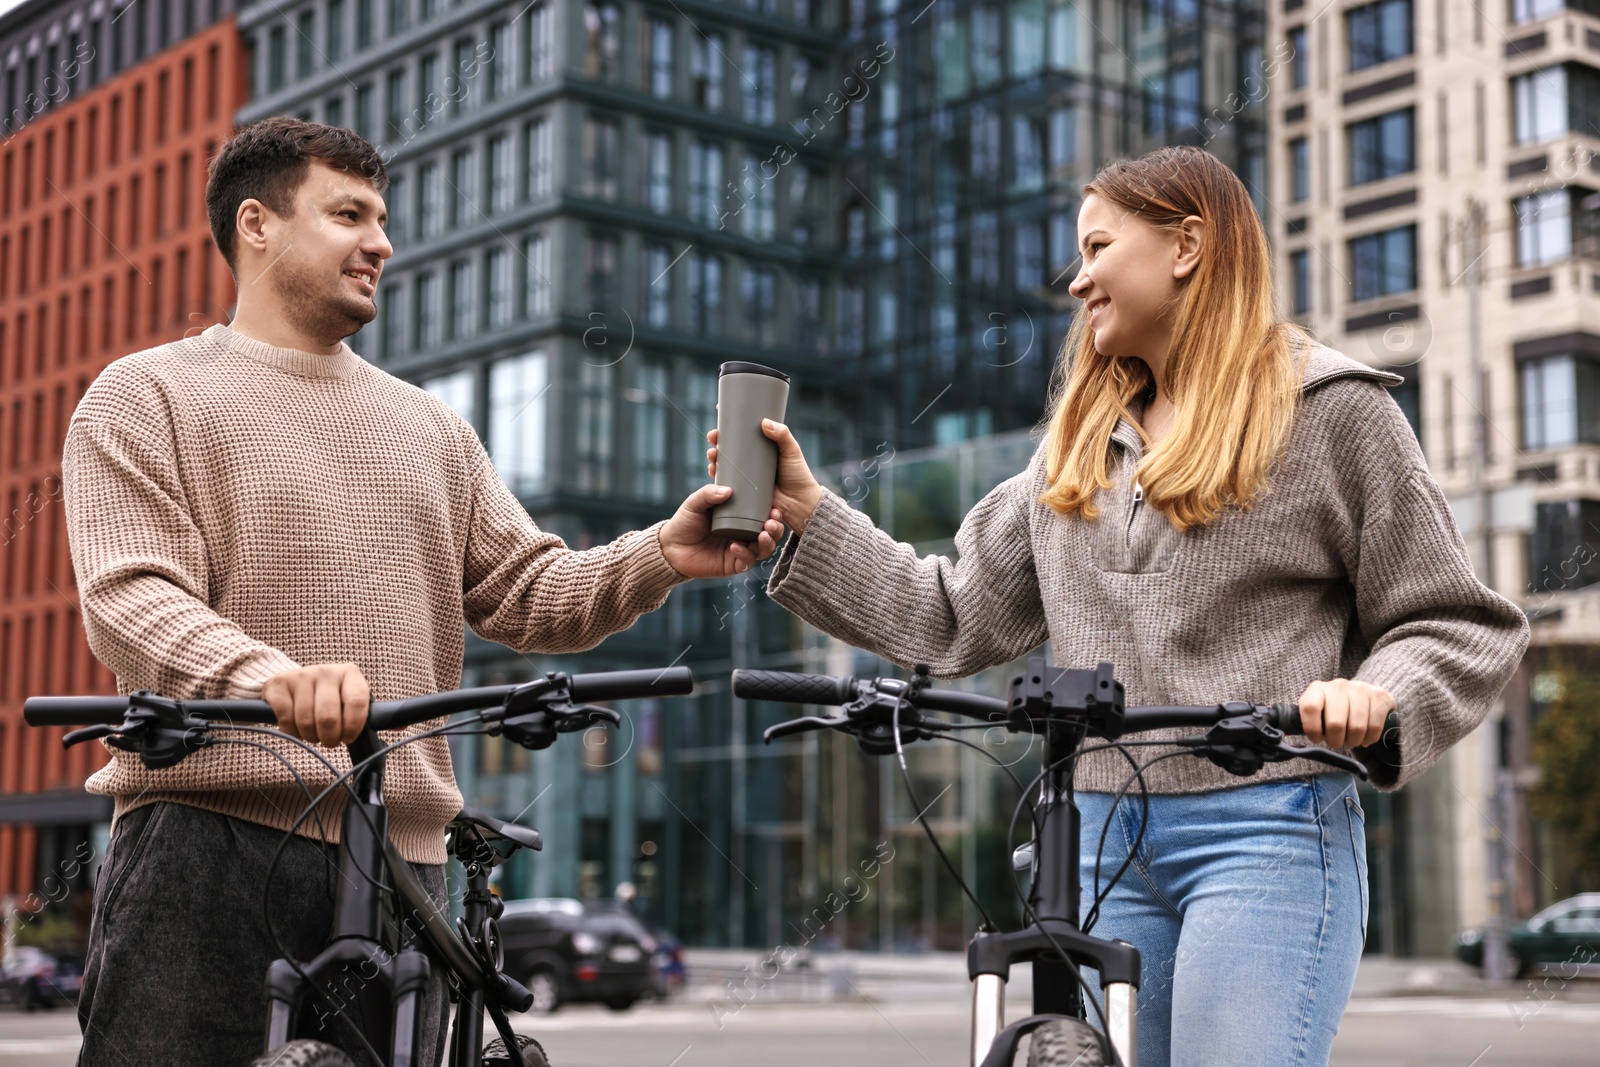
1223, 510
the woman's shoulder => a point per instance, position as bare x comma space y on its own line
1347, 404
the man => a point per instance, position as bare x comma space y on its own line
258, 512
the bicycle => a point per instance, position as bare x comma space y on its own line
377, 886
1066, 707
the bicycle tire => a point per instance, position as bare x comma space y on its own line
494, 1053
1066, 1043
304, 1053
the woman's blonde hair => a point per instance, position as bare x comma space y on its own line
1231, 371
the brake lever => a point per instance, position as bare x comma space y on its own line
571, 717
800, 726
1328, 756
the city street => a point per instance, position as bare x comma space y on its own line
908, 1022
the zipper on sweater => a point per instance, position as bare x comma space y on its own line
1133, 510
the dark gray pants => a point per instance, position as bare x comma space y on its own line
178, 951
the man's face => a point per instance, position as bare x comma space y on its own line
330, 253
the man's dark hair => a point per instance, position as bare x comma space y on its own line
269, 160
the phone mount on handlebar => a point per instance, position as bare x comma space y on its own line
156, 727
535, 713
1091, 700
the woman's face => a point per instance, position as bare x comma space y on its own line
1129, 280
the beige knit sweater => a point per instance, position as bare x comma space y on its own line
1350, 567
237, 509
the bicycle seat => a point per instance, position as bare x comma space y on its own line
491, 828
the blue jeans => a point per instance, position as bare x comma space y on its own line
1249, 910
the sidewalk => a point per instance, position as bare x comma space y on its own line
875, 977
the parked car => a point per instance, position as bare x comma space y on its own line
32, 978
566, 951
1566, 934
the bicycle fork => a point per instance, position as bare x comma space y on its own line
1056, 993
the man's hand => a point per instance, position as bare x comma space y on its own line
695, 552
1344, 714
326, 703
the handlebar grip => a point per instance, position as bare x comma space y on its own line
1385, 752
958, 703
1287, 718
788, 687
74, 711
624, 685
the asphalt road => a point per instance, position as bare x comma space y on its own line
1517, 1030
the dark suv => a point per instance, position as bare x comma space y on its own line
564, 950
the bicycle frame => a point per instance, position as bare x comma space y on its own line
393, 985
1055, 991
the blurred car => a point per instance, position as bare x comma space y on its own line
32, 978
566, 951
1565, 933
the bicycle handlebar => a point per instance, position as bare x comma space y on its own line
384, 714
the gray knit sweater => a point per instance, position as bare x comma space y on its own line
1350, 567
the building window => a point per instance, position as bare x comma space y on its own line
988, 47
985, 134
518, 389
502, 192
395, 85
463, 299
661, 66
1027, 141
467, 93
1383, 263
431, 210
429, 330
808, 314
759, 83
396, 200
395, 318
984, 255
363, 115
428, 100
658, 173
852, 317
1557, 100
459, 391
538, 62
700, 416
1300, 281
536, 277
705, 182
1564, 548
1299, 60
757, 292
758, 198
799, 204
650, 446
593, 437
1029, 238
277, 58
1533, 10
541, 164
464, 195
602, 27
502, 63
500, 289
656, 281
1560, 402
1382, 147
335, 37
602, 150
365, 23
600, 269
1378, 32
1544, 227
305, 43
1299, 169
705, 294
1408, 397
705, 70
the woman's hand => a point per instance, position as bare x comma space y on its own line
1344, 714
796, 492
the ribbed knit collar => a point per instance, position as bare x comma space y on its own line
341, 364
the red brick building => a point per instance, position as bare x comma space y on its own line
104, 250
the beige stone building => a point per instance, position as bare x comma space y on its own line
1432, 206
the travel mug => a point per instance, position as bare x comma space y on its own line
747, 459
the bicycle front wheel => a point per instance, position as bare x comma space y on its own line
304, 1053
1066, 1043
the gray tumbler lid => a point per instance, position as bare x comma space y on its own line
741, 367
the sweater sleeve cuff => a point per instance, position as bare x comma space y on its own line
813, 558
245, 683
